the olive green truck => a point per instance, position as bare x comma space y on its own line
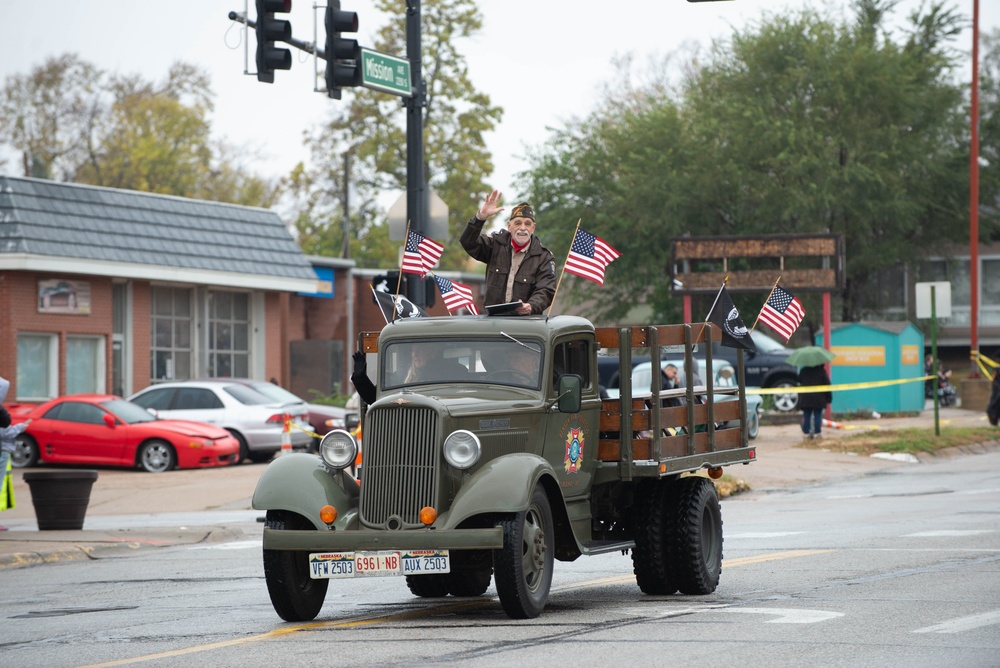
499, 456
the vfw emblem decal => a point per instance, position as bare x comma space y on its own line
574, 450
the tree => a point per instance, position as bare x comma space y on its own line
371, 128
71, 121
797, 124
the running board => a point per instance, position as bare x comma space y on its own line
605, 546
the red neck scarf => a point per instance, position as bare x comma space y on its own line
517, 248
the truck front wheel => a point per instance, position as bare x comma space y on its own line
697, 536
523, 567
296, 597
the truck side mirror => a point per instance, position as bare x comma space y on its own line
569, 393
351, 421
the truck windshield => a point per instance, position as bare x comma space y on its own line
496, 361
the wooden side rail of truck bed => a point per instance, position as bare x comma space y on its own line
654, 427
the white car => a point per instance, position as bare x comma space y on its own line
725, 376
257, 421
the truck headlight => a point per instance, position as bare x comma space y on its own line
462, 449
338, 449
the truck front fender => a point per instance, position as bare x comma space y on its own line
504, 485
297, 483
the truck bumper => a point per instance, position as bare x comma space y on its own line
416, 539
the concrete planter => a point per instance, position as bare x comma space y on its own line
60, 497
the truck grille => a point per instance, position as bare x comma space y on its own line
399, 473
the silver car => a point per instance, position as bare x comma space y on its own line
256, 420
725, 376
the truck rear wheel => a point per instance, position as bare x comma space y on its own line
651, 558
696, 541
296, 597
427, 586
523, 566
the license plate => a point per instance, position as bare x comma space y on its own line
383, 563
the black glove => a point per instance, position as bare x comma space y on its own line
360, 364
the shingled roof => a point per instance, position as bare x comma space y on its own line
50, 226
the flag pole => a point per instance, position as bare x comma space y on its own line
378, 303
399, 279
563, 272
717, 295
765, 303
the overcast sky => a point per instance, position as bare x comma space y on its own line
543, 61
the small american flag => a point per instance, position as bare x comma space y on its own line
456, 295
420, 254
783, 312
590, 256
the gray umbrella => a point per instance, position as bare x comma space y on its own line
810, 356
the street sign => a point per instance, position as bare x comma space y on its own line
386, 73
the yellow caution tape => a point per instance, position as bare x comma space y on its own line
314, 435
833, 388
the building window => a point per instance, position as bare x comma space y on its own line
85, 365
170, 352
990, 276
37, 367
228, 334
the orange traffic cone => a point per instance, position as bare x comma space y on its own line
286, 437
832, 425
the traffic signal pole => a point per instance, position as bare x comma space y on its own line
416, 188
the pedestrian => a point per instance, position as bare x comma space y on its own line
519, 269
813, 403
993, 408
8, 441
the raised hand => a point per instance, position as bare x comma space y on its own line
491, 206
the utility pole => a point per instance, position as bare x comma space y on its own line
416, 190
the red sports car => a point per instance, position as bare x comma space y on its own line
107, 430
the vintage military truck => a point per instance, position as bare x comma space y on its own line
496, 457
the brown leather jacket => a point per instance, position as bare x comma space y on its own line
535, 281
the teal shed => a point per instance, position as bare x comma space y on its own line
868, 352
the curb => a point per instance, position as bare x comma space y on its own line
100, 545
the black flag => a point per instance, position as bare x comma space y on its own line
724, 314
403, 307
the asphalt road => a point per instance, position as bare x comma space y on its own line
896, 567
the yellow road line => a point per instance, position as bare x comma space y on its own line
423, 612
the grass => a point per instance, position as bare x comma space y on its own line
910, 440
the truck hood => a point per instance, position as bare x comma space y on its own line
466, 400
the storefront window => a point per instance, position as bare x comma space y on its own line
228, 334
37, 367
170, 349
85, 365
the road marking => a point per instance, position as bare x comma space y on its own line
766, 534
237, 545
962, 624
948, 533
423, 612
790, 615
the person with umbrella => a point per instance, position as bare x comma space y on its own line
813, 361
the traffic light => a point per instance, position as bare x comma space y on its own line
343, 56
271, 30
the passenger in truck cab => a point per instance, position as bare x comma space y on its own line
428, 364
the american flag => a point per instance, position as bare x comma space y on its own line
590, 256
456, 295
420, 254
783, 312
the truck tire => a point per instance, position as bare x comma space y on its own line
651, 558
469, 583
696, 539
296, 597
428, 586
523, 566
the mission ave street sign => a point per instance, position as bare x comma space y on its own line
386, 73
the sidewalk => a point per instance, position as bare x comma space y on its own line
162, 507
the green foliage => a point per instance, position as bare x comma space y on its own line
796, 124
912, 440
370, 127
71, 121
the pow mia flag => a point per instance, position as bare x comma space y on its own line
724, 315
402, 307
